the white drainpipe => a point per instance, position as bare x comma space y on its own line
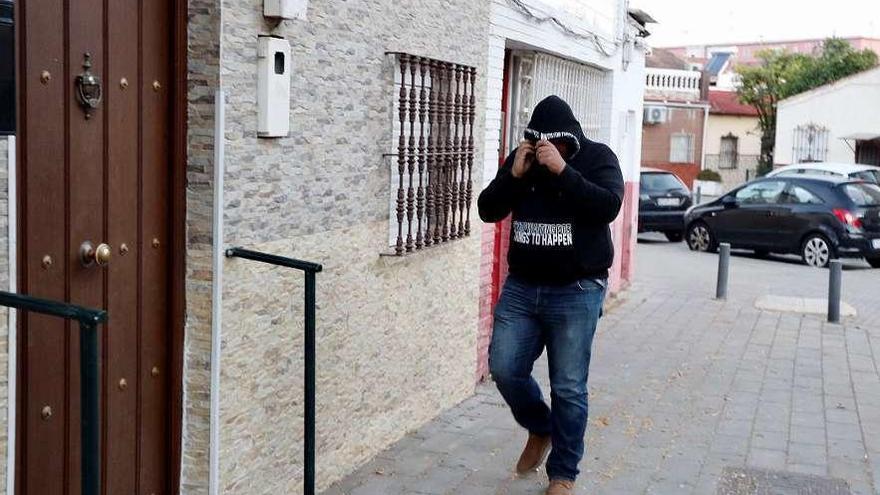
217, 290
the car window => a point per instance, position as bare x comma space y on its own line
863, 194
760, 193
868, 175
799, 196
658, 181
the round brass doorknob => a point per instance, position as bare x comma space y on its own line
102, 254
94, 255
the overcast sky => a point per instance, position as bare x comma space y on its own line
682, 22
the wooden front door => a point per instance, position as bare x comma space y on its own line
98, 175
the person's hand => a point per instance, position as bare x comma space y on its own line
522, 162
549, 156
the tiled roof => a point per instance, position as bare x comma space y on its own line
727, 103
664, 59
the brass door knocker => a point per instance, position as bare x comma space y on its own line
88, 87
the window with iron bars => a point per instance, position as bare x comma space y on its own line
432, 167
810, 143
729, 151
536, 75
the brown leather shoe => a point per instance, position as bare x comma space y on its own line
533, 455
560, 487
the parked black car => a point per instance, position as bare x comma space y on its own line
819, 218
663, 200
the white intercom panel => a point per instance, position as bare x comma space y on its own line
273, 87
285, 9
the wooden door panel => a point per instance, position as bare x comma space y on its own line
85, 202
104, 178
154, 337
122, 93
43, 154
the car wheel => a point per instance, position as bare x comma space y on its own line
700, 238
674, 236
874, 262
816, 251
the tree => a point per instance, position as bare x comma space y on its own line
783, 74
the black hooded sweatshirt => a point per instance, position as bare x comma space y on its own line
560, 227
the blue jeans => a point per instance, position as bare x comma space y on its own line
563, 319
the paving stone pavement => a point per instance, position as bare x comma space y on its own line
682, 387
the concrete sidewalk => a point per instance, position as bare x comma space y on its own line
684, 391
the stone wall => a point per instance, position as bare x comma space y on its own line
396, 336
203, 81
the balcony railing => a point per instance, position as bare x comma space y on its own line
672, 81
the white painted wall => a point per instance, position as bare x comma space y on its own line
728, 79
845, 107
626, 112
745, 128
509, 27
600, 15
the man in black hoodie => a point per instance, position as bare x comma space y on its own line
563, 191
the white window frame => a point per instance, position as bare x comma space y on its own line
675, 153
727, 158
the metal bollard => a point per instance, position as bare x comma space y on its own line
698, 197
723, 271
834, 282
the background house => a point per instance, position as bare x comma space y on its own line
745, 53
837, 122
720, 60
676, 110
733, 139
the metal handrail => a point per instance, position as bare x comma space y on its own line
90, 431
310, 269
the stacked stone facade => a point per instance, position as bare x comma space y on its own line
396, 336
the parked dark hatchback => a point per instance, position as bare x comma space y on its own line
819, 218
663, 200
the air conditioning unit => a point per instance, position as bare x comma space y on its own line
655, 114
